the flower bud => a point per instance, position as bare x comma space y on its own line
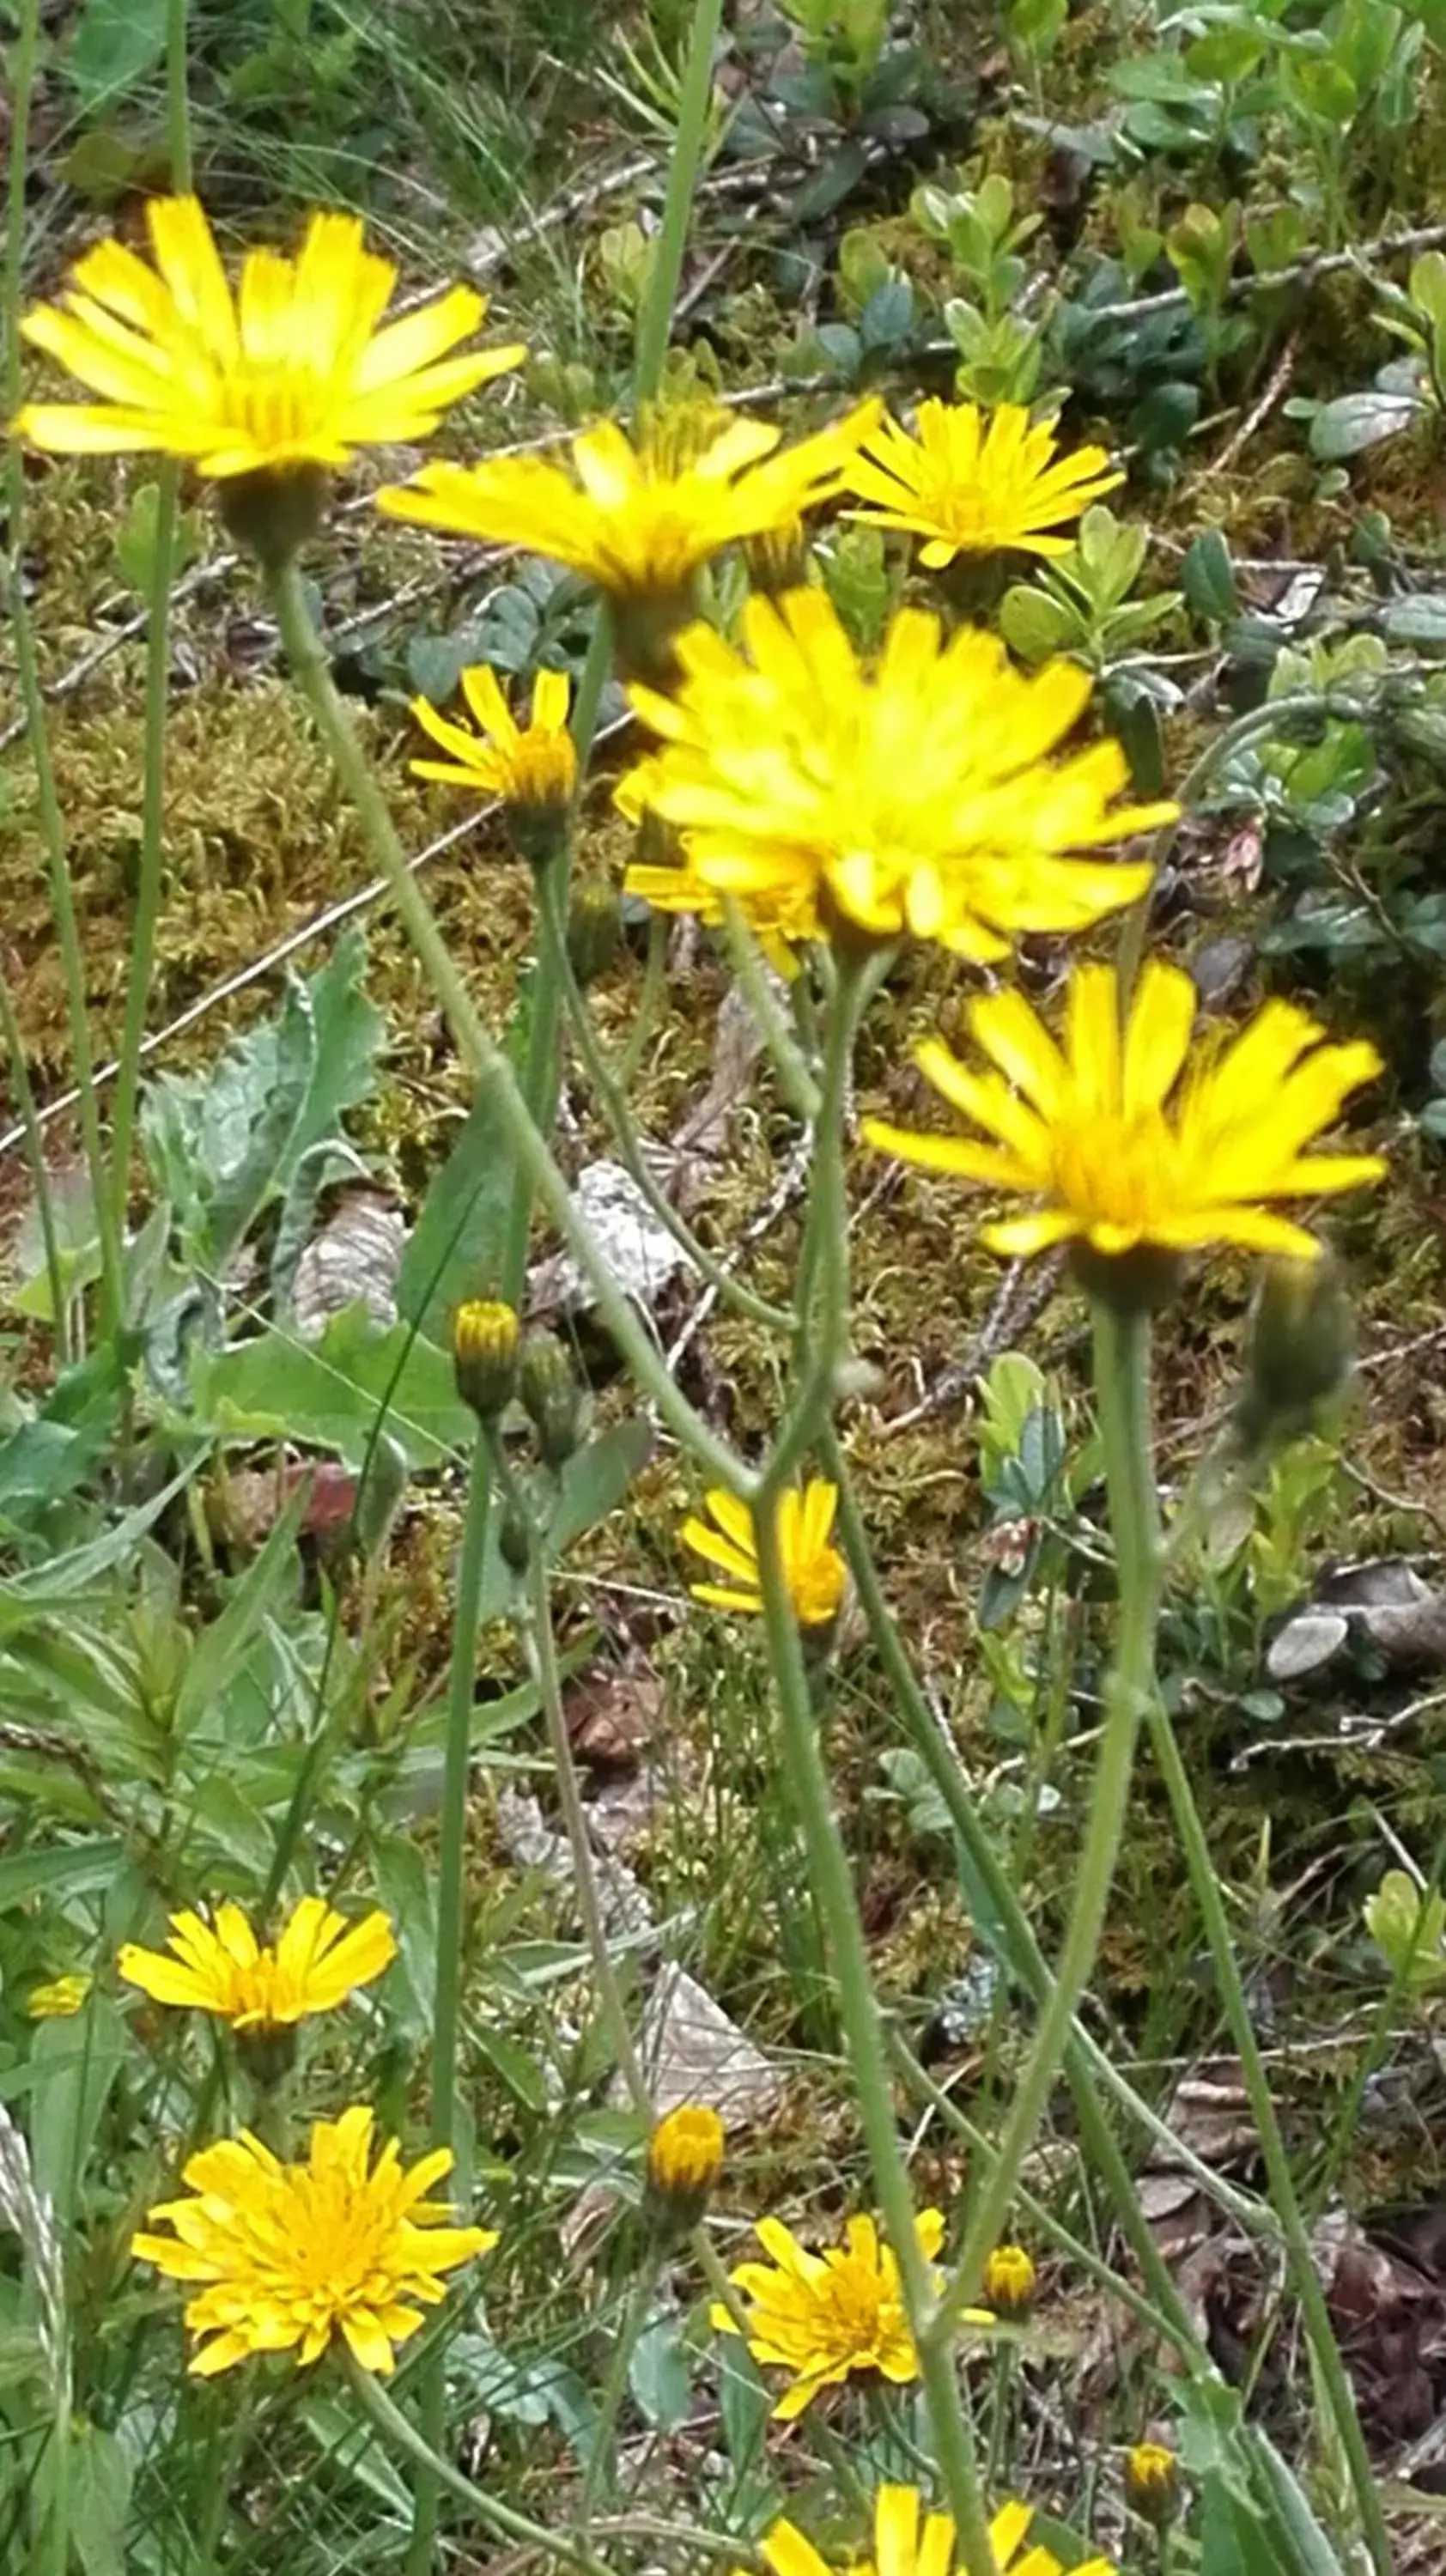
594, 932
552, 1398
685, 2158
1010, 2281
1152, 2482
1299, 1350
514, 1538
485, 1339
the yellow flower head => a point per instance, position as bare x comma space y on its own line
222, 1968
916, 793
1127, 1143
975, 482
816, 1574
823, 2316
60, 1999
685, 2152
635, 520
1010, 2281
292, 370
290, 2256
528, 765
908, 2542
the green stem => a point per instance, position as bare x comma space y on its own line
500, 2519
158, 672
484, 1059
1042, 2218
52, 826
1086, 2063
696, 89
832, 1884
1122, 1347
599, 2475
808, 1785
1306, 2279
619, 1117
39, 1176
542, 1655
794, 1079
646, 1009
451, 1891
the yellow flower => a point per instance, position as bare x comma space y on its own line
815, 1572
916, 793
685, 2153
635, 521
902, 2548
1009, 2281
1092, 1132
223, 1969
529, 765
974, 483
293, 2255
57, 2001
822, 2316
290, 371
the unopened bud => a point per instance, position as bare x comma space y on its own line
552, 1398
1299, 1350
1152, 2482
485, 1338
594, 932
685, 2158
1010, 2281
514, 1538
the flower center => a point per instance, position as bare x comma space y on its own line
1113, 1170
274, 405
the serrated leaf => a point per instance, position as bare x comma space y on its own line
336, 1393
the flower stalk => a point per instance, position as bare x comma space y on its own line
158, 673
1122, 1363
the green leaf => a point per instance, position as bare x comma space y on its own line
98, 2500
331, 1394
72, 1213
226, 1144
1225, 53
1035, 626
1354, 422
77, 1870
1207, 578
116, 44
1420, 619
135, 538
72, 2066
455, 1248
658, 2375
1408, 1927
